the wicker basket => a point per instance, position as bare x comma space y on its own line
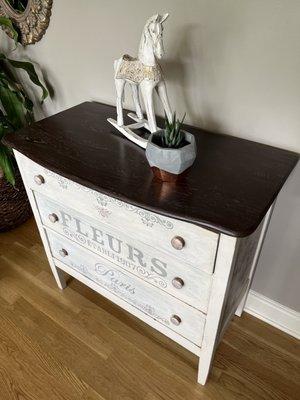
14, 204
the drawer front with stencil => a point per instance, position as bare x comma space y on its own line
168, 273
164, 308
183, 240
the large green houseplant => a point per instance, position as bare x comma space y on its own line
16, 111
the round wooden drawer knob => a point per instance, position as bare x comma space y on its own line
175, 320
177, 283
53, 218
39, 179
178, 242
63, 253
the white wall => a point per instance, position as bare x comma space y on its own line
232, 65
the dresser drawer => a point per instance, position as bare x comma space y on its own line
170, 274
185, 241
169, 311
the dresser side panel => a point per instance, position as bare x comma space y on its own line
242, 264
57, 273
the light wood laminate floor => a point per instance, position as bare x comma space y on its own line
75, 344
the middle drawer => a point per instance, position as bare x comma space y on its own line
168, 273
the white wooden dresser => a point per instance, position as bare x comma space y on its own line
179, 257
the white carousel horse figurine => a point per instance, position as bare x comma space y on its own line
145, 73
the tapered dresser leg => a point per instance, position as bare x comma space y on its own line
203, 370
59, 276
220, 283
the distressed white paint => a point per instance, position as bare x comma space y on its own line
58, 275
266, 222
216, 305
146, 298
154, 229
197, 332
187, 344
148, 263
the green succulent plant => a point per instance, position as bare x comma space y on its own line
172, 135
16, 108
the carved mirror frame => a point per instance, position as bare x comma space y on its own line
32, 23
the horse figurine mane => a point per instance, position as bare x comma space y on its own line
144, 73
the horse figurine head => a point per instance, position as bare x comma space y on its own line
152, 37
144, 75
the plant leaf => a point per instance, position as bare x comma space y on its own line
30, 69
173, 136
184, 115
5, 126
9, 81
7, 23
166, 122
13, 106
6, 164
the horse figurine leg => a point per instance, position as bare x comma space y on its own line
119, 83
147, 87
136, 100
163, 95
128, 130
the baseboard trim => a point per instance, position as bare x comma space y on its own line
273, 313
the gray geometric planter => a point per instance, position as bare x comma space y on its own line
168, 163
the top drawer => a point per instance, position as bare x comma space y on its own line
189, 242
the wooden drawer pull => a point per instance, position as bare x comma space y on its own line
39, 179
53, 218
178, 283
63, 253
175, 320
178, 242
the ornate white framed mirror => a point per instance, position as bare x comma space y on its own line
31, 17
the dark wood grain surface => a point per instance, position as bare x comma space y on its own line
229, 188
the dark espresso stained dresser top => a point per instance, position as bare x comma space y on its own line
229, 188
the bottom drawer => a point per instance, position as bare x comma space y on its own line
166, 309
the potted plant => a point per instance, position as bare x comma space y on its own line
16, 111
171, 151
